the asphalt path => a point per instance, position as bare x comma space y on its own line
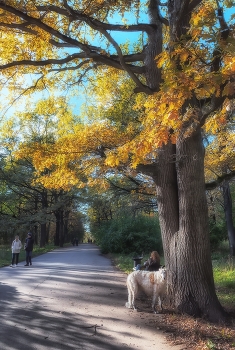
72, 298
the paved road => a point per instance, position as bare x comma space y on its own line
72, 298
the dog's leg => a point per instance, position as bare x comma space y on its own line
160, 302
154, 301
129, 303
134, 295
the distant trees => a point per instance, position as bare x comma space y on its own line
219, 165
26, 204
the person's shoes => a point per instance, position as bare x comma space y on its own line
11, 265
14, 265
26, 265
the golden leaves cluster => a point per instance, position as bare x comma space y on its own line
121, 129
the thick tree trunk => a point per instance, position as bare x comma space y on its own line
229, 216
183, 214
182, 205
167, 198
193, 288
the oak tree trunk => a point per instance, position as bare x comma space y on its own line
194, 290
182, 206
183, 215
185, 230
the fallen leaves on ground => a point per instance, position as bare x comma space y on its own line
189, 332
199, 334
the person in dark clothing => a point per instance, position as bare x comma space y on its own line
152, 264
28, 246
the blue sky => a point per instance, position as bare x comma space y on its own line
120, 38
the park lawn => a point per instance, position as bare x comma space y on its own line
5, 253
224, 276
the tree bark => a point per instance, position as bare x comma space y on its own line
57, 232
193, 286
59, 237
66, 224
229, 216
43, 225
183, 215
43, 235
182, 205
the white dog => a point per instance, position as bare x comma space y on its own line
152, 283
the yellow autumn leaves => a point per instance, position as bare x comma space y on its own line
118, 128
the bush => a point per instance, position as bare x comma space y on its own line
127, 235
218, 233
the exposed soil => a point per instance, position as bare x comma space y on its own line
194, 334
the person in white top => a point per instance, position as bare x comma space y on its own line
15, 247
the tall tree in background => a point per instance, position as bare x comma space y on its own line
219, 163
35, 207
184, 64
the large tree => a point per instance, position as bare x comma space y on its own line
184, 64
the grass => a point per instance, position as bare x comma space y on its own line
224, 276
125, 262
6, 255
223, 269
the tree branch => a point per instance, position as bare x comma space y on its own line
99, 26
75, 15
213, 184
193, 4
21, 27
93, 57
88, 51
216, 102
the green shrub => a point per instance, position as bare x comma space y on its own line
218, 233
136, 235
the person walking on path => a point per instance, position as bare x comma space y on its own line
28, 246
15, 248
